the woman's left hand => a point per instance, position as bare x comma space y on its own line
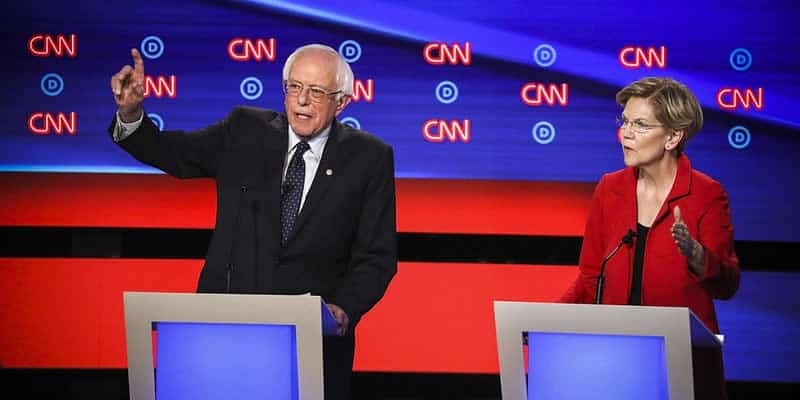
687, 246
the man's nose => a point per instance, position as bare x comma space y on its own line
303, 97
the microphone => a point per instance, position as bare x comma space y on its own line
626, 239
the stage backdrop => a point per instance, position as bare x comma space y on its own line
502, 90
501, 115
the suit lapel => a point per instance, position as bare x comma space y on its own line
324, 177
625, 200
276, 144
680, 188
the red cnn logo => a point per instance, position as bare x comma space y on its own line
544, 94
160, 86
440, 53
40, 123
41, 45
366, 91
633, 57
731, 99
437, 130
240, 49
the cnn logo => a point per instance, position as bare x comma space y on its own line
437, 131
41, 123
537, 94
44, 45
161, 86
441, 53
364, 91
245, 49
633, 57
732, 98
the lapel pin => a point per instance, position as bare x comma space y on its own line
329, 172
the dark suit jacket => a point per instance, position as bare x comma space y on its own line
344, 243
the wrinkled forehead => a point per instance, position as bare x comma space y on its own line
315, 66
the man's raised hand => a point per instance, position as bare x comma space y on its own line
128, 88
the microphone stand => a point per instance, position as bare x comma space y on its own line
627, 239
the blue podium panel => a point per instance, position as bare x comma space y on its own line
225, 361
567, 366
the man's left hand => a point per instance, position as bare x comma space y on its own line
342, 320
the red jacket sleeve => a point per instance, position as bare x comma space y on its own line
721, 277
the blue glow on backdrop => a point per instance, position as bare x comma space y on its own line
509, 90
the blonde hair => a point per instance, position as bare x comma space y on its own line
675, 106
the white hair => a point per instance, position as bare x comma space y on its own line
344, 75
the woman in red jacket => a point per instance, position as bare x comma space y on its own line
682, 254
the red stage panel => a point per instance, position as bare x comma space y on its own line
105, 200
68, 313
160, 201
435, 317
438, 317
493, 207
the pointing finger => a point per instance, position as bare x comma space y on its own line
138, 64
677, 213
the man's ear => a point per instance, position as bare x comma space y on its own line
342, 103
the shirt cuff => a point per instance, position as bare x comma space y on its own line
124, 129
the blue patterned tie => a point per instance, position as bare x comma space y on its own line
292, 191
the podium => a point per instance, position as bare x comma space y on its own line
225, 345
606, 352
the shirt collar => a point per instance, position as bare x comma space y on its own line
316, 143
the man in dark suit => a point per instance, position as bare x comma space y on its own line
304, 203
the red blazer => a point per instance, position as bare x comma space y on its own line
666, 278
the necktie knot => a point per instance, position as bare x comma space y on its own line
301, 148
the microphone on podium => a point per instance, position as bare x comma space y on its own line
626, 239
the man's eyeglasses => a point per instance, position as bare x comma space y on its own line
317, 94
636, 126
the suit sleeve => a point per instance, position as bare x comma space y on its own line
373, 260
721, 277
582, 289
180, 154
